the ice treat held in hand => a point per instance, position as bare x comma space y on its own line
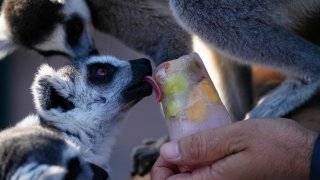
189, 100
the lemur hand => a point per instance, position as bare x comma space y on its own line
252, 149
145, 156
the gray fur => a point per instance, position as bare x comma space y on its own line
145, 25
260, 32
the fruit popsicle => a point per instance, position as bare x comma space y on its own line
189, 100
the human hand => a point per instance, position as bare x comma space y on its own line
252, 149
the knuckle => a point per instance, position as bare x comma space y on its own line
240, 138
196, 147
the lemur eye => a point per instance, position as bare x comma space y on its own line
102, 71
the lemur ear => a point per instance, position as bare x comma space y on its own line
50, 92
7, 46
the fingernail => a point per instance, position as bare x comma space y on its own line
170, 151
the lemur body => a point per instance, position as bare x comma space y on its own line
83, 103
146, 25
263, 33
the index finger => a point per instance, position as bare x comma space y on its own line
207, 146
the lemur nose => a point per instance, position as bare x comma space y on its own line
143, 66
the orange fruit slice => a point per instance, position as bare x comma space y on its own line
209, 90
197, 111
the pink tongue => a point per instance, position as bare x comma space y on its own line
155, 86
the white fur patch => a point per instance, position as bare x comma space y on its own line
31, 120
36, 171
56, 42
107, 59
59, 1
44, 70
4, 32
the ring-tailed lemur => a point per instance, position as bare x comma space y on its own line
261, 32
81, 103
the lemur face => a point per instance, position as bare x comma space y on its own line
49, 27
89, 95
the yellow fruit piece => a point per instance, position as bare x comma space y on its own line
176, 84
209, 91
173, 109
197, 111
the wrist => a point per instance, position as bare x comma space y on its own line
315, 160
303, 155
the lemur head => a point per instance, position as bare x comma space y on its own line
49, 27
97, 90
86, 100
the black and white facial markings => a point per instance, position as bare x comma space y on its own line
78, 108
49, 27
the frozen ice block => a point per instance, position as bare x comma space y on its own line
189, 99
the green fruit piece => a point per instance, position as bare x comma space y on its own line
176, 84
173, 109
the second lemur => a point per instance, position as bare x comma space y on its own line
267, 33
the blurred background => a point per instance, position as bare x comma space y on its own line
143, 121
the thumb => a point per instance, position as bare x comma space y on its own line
206, 146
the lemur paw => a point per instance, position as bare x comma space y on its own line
145, 156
